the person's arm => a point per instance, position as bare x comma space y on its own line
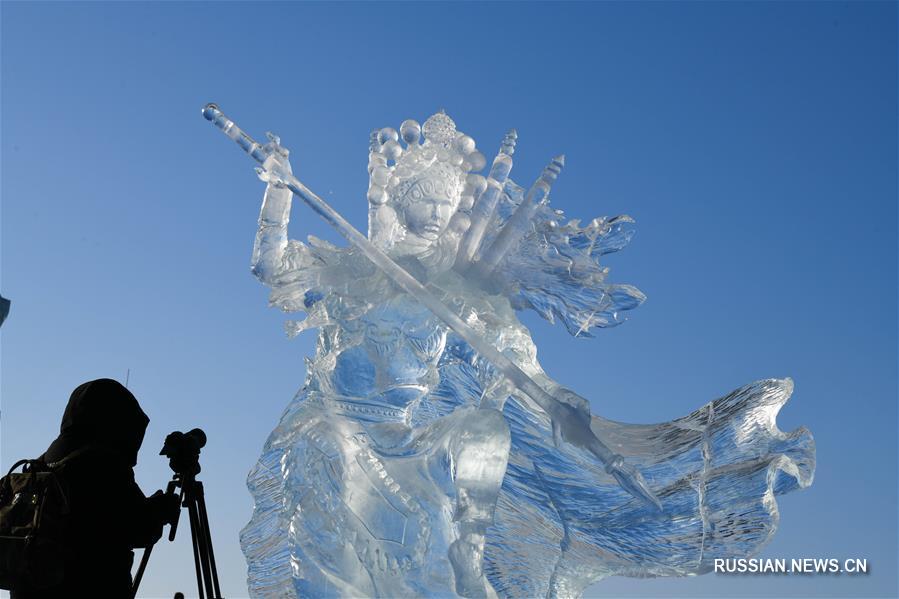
146, 515
110, 506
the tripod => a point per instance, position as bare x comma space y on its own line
186, 467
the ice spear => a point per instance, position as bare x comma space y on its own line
520, 221
569, 423
486, 204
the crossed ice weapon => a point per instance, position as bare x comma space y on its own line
570, 423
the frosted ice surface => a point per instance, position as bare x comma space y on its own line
410, 464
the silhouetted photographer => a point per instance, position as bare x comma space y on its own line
86, 478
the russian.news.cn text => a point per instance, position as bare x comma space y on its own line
803, 565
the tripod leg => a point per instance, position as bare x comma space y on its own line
204, 521
201, 540
192, 512
140, 570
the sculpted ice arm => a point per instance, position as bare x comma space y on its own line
271, 237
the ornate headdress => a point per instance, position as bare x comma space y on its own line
441, 166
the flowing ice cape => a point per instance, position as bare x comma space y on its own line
562, 523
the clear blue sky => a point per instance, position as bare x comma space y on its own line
754, 143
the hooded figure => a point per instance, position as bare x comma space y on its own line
109, 514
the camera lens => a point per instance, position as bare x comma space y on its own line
198, 436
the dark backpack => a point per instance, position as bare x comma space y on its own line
34, 513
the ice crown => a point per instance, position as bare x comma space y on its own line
439, 165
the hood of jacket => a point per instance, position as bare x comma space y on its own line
101, 414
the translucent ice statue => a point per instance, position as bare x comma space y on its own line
428, 453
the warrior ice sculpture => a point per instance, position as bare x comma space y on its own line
428, 454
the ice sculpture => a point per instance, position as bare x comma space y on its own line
428, 453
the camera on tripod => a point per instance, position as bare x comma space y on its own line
183, 452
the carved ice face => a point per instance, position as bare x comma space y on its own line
428, 217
